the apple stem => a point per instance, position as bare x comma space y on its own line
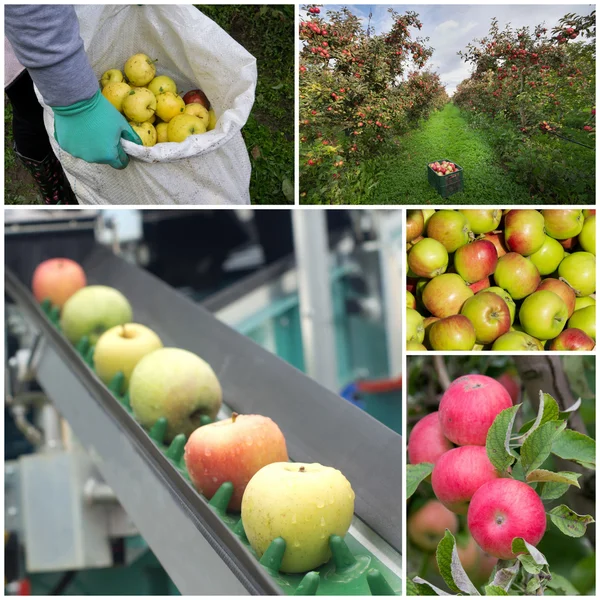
234, 416
301, 469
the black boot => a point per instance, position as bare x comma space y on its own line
50, 179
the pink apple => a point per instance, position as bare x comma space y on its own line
502, 510
426, 442
458, 474
452, 333
560, 288
428, 258
233, 450
498, 240
517, 275
445, 294
469, 406
572, 339
524, 231
476, 260
489, 315
478, 286
450, 228
197, 96
427, 526
57, 279
563, 223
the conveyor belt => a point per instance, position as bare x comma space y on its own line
318, 425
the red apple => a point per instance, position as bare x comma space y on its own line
57, 279
512, 307
560, 288
475, 261
415, 224
469, 406
517, 275
428, 258
569, 243
233, 450
489, 315
498, 240
478, 286
445, 294
427, 526
563, 223
452, 333
426, 442
458, 474
572, 339
524, 231
197, 97
502, 510
450, 228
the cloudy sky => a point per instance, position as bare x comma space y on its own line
451, 27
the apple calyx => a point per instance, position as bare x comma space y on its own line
301, 470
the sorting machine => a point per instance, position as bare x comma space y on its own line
116, 481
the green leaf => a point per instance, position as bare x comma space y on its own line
422, 582
575, 446
494, 590
533, 585
567, 477
553, 491
505, 574
498, 439
451, 568
565, 414
547, 411
529, 556
558, 583
569, 522
538, 446
415, 475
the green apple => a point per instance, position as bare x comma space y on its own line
482, 220
162, 84
169, 105
175, 384
91, 311
411, 301
305, 504
579, 271
415, 331
139, 105
111, 76
182, 126
415, 346
115, 93
584, 301
512, 307
139, 70
489, 315
121, 348
517, 340
428, 258
587, 237
584, 319
146, 131
548, 257
543, 315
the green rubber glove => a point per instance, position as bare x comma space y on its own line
92, 130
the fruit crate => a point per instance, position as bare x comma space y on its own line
445, 185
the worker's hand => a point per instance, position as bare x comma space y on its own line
92, 130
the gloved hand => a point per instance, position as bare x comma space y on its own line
92, 130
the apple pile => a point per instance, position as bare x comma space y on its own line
151, 104
305, 504
464, 480
444, 168
487, 279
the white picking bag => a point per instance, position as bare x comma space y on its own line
211, 168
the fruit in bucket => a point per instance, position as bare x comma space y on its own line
197, 96
139, 69
182, 126
146, 131
444, 168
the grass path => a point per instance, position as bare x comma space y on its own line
446, 135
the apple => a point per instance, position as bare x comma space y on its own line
476, 260
519, 341
584, 301
502, 510
548, 257
182, 126
57, 279
305, 504
197, 110
450, 228
578, 270
427, 323
197, 96
543, 315
115, 93
161, 133
120, 348
169, 105
469, 406
146, 131
91, 311
478, 286
512, 384
415, 347
498, 240
162, 84
111, 76
427, 526
139, 105
489, 315
517, 275
233, 450
584, 319
572, 339
524, 231
139, 70
563, 223
587, 237
445, 294
415, 331
482, 220
428, 258
452, 333
560, 288
212, 120
426, 442
458, 474
427, 214
414, 224
512, 307
411, 302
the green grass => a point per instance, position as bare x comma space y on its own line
446, 135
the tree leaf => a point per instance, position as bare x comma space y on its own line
575, 446
505, 574
567, 412
538, 446
547, 411
559, 583
415, 475
529, 556
569, 522
437, 590
451, 568
498, 439
494, 590
567, 477
553, 491
533, 585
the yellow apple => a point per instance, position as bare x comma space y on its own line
139, 105
169, 105
197, 110
115, 93
146, 131
162, 84
161, 133
139, 69
152, 119
121, 348
182, 126
212, 120
111, 76
305, 504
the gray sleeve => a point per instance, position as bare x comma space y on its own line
46, 40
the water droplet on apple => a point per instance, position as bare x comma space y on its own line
322, 522
296, 544
320, 503
206, 471
215, 480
